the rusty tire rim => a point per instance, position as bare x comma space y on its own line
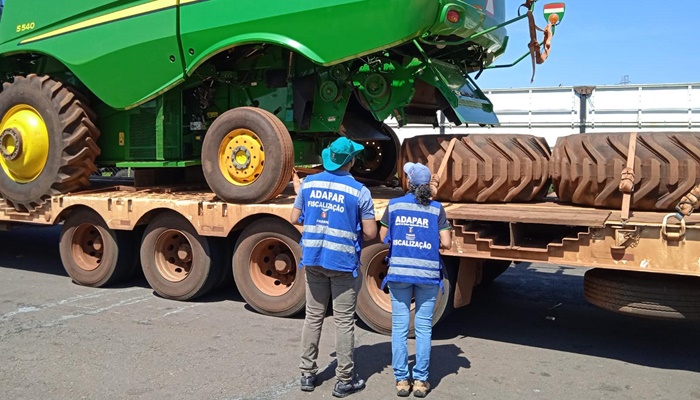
173, 255
87, 247
272, 267
374, 276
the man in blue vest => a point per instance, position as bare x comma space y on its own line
415, 227
337, 213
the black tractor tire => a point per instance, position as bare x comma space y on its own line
259, 249
378, 160
586, 169
72, 139
274, 172
177, 278
644, 294
374, 303
483, 168
92, 253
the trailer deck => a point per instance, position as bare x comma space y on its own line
545, 231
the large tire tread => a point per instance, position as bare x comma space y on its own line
77, 138
586, 169
483, 168
644, 294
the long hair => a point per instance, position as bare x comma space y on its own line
422, 193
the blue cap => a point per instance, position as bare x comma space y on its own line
339, 153
417, 173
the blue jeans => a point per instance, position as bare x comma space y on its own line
401, 294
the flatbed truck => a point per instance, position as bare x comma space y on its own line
187, 241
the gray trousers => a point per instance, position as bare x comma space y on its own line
321, 285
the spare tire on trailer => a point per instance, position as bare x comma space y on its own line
586, 168
483, 168
644, 294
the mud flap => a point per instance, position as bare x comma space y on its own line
457, 95
443, 86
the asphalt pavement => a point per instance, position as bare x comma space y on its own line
530, 335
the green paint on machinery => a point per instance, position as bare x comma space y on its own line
246, 89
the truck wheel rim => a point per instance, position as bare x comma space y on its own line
272, 267
374, 276
173, 256
87, 247
24, 143
241, 157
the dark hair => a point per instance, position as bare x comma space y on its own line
422, 193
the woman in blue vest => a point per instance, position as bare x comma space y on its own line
337, 213
416, 228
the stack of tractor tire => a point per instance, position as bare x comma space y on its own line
582, 169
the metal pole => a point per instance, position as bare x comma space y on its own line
583, 93
442, 123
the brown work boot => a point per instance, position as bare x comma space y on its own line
421, 388
403, 388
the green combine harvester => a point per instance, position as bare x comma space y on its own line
241, 91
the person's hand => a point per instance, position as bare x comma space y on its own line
296, 181
434, 184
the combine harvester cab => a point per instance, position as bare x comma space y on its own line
239, 91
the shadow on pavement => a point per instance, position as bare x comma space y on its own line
372, 359
545, 308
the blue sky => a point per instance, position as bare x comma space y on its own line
600, 41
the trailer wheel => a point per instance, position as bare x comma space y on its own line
247, 156
378, 160
179, 263
93, 254
265, 268
644, 294
47, 141
374, 303
586, 168
483, 168
492, 269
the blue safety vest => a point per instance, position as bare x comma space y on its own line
332, 236
414, 255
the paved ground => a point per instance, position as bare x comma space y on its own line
530, 336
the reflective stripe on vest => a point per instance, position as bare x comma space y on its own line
325, 230
343, 248
331, 216
332, 186
415, 241
415, 262
414, 207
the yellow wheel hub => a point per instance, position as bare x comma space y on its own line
24, 143
241, 157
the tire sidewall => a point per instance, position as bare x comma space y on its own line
23, 92
241, 269
379, 319
243, 118
108, 266
192, 285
